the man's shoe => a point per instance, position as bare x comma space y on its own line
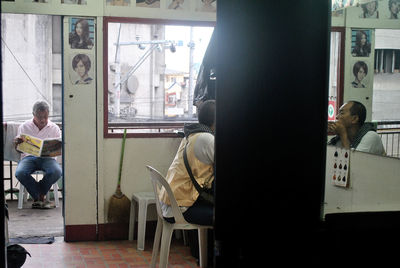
37, 204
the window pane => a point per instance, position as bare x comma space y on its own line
152, 71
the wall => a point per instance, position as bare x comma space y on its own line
374, 184
90, 178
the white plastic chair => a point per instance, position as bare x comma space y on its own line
23, 194
165, 229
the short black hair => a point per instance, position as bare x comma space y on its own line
207, 113
358, 65
358, 109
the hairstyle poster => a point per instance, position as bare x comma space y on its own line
119, 2
81, 33
36, 1
369, 9
148, 3
178, 4
391, 11
360, 73
360, 43
74, 2
81, 71
206, 6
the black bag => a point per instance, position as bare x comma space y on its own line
206, 194
16, 256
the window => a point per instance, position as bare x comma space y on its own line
150, 71
335, 94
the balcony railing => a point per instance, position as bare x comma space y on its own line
390, 135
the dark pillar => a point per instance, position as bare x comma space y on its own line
272, 81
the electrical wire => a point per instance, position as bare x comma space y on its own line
23, 69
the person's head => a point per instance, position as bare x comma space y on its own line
352, 114
207, 114
82, 29
40, 113
360, 70
361, 38
394, 7
81, 64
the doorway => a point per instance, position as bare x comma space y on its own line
32, 71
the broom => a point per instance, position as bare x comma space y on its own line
119, 205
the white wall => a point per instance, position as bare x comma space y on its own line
374, 184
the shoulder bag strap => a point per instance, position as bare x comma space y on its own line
189, 170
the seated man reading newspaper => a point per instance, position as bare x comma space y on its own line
31, 140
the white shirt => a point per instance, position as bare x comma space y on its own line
370, 143
50, 131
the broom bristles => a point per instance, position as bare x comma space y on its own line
119, 209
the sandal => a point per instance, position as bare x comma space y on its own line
37, 204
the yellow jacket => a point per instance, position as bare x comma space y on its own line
181, 185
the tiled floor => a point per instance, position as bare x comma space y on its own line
111, 254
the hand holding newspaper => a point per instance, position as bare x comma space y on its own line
39, 147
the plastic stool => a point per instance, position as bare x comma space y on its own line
143, 199
22, 197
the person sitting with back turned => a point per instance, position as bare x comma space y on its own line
352, 131
41, 127
199, 138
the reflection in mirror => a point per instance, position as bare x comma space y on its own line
386, 91
371, 179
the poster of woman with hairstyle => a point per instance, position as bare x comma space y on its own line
361, 47
118, 2
81, 66
74, 2
360, 71
369, 9
148, 3
394, 8
178, 4
206, 6
81, 34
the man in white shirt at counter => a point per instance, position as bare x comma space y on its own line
352, 132
41, 127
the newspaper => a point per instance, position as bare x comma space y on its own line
39, 147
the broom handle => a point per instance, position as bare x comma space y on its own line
122, 158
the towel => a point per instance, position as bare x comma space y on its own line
10, 130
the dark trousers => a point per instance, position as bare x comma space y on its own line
200, 213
